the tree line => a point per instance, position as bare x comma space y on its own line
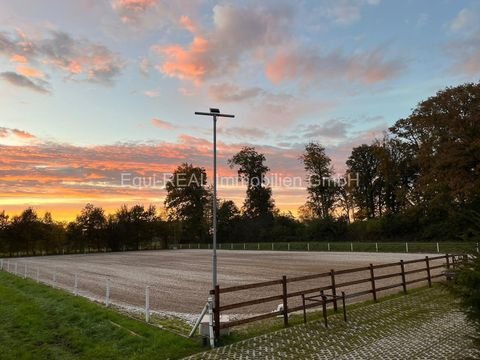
419, 182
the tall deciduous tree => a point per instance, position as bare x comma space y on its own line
322, 189
366, 188
186, 200
134, 225
252, 169
444, 134
92, 223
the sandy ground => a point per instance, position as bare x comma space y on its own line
179, 280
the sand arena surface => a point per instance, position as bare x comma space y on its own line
179, 280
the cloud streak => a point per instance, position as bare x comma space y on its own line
309, 66
22, 81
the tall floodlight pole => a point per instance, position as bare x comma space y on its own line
214, 113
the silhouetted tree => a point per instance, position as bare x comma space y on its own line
252, 170
92, 223
186, 201
322, 189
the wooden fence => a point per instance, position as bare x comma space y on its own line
428, 265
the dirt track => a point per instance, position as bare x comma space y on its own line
179, 280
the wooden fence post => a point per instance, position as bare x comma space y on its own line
334, 290
372, 280
427, 262
404, 282
285, 301
216, 312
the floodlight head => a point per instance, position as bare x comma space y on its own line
215, 111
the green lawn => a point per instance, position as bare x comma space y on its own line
38, 322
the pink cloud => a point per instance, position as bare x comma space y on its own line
18, 59
188, 24
29, 72
51, 173
6, 132
162, 124
308, 66
130, 11
79, 59
231, 93
22, 134
190, 63
238, 31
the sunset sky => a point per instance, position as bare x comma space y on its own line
91, 89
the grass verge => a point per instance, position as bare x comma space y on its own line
38, 322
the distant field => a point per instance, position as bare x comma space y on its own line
389, 247
180, 280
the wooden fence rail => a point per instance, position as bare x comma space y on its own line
334, 286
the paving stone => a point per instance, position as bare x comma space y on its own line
424, 325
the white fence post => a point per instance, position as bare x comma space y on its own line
406, 247
328, 246
25, 272
54, 276
1, 264
376, 246
75, 286
244, 246
147, 304
288, 246
38, 274
438, 247
258, 246
308, 246
8, 265
107, 293
16, 268
351, 246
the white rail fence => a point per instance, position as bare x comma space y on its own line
133, 298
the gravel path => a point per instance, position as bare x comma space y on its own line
425, 325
